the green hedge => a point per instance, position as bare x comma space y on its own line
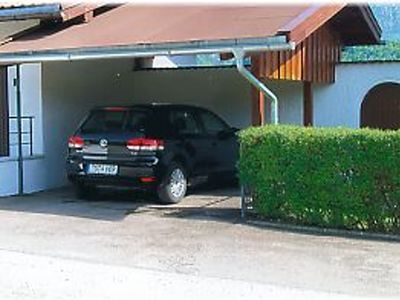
329, 177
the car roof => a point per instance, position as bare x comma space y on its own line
148, 106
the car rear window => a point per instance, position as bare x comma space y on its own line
116, 121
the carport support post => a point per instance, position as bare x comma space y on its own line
19, 131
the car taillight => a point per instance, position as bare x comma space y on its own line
75, 142
148, 179
145, 144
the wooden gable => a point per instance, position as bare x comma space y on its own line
313, 59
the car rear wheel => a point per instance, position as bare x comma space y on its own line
173, 187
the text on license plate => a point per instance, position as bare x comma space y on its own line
102, 169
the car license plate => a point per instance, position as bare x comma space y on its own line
102, 169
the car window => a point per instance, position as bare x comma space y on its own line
104, 121
212, 124
184, 122
116, 121
138, 121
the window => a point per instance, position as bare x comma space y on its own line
139, 121
4, 114
105, 121
212, 124
184, 122
132, 120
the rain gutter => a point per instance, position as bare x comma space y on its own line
149, 50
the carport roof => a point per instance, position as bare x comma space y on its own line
129, 25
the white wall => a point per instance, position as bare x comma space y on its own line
8, 177
339, 104
31, 92
59, 95
221, 90
71, 89
31, 106
290, 95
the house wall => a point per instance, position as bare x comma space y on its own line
60, 94
31, 106
339, 104
70, 90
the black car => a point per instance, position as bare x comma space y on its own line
154, 146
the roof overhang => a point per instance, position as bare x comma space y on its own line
125, 32
357, 25
306, 23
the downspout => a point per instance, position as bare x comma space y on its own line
239, 56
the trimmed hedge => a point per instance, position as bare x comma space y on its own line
328, 177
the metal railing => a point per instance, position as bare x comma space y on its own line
25, 132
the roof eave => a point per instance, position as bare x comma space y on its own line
372, 23
316, 16
306, 23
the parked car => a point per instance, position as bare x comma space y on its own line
160, 147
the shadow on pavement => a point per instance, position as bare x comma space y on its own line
219, 203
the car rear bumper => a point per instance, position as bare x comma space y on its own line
130, 176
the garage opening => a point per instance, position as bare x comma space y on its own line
381, 107
69, 90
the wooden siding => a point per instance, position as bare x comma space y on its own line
313, 59
257, 97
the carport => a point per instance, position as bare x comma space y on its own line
298, 44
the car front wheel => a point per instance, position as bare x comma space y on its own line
174, 185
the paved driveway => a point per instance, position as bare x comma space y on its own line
201, 203
199, 245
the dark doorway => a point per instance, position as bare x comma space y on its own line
4, 139
381, 107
